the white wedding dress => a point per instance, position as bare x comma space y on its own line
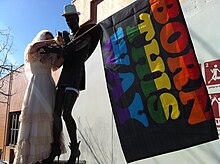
36, 119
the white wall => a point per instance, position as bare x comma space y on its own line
93, 112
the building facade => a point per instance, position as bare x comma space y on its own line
13, 84
92, 111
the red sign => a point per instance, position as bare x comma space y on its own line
215, 101
212, 72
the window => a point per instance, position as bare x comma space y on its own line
13, 128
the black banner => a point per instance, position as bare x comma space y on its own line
157, 93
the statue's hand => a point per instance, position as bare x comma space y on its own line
59, 40
54, 49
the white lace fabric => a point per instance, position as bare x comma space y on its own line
36, 119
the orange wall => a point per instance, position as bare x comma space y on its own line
18, 89
19, 84
3, 108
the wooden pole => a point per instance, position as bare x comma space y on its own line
78, 37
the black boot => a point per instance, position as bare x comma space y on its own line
55, 152
75, 153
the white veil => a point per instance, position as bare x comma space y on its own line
40, 36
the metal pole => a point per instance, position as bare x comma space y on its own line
7, 111
78, 37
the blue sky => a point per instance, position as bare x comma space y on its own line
26, 18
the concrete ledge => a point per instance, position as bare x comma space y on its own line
63, 161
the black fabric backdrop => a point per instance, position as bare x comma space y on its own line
158, 97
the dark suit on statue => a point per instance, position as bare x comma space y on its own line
73, 72
72, 80
77, 49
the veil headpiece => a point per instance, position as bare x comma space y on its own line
40, 36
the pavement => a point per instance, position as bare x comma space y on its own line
62, 162
55, 162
